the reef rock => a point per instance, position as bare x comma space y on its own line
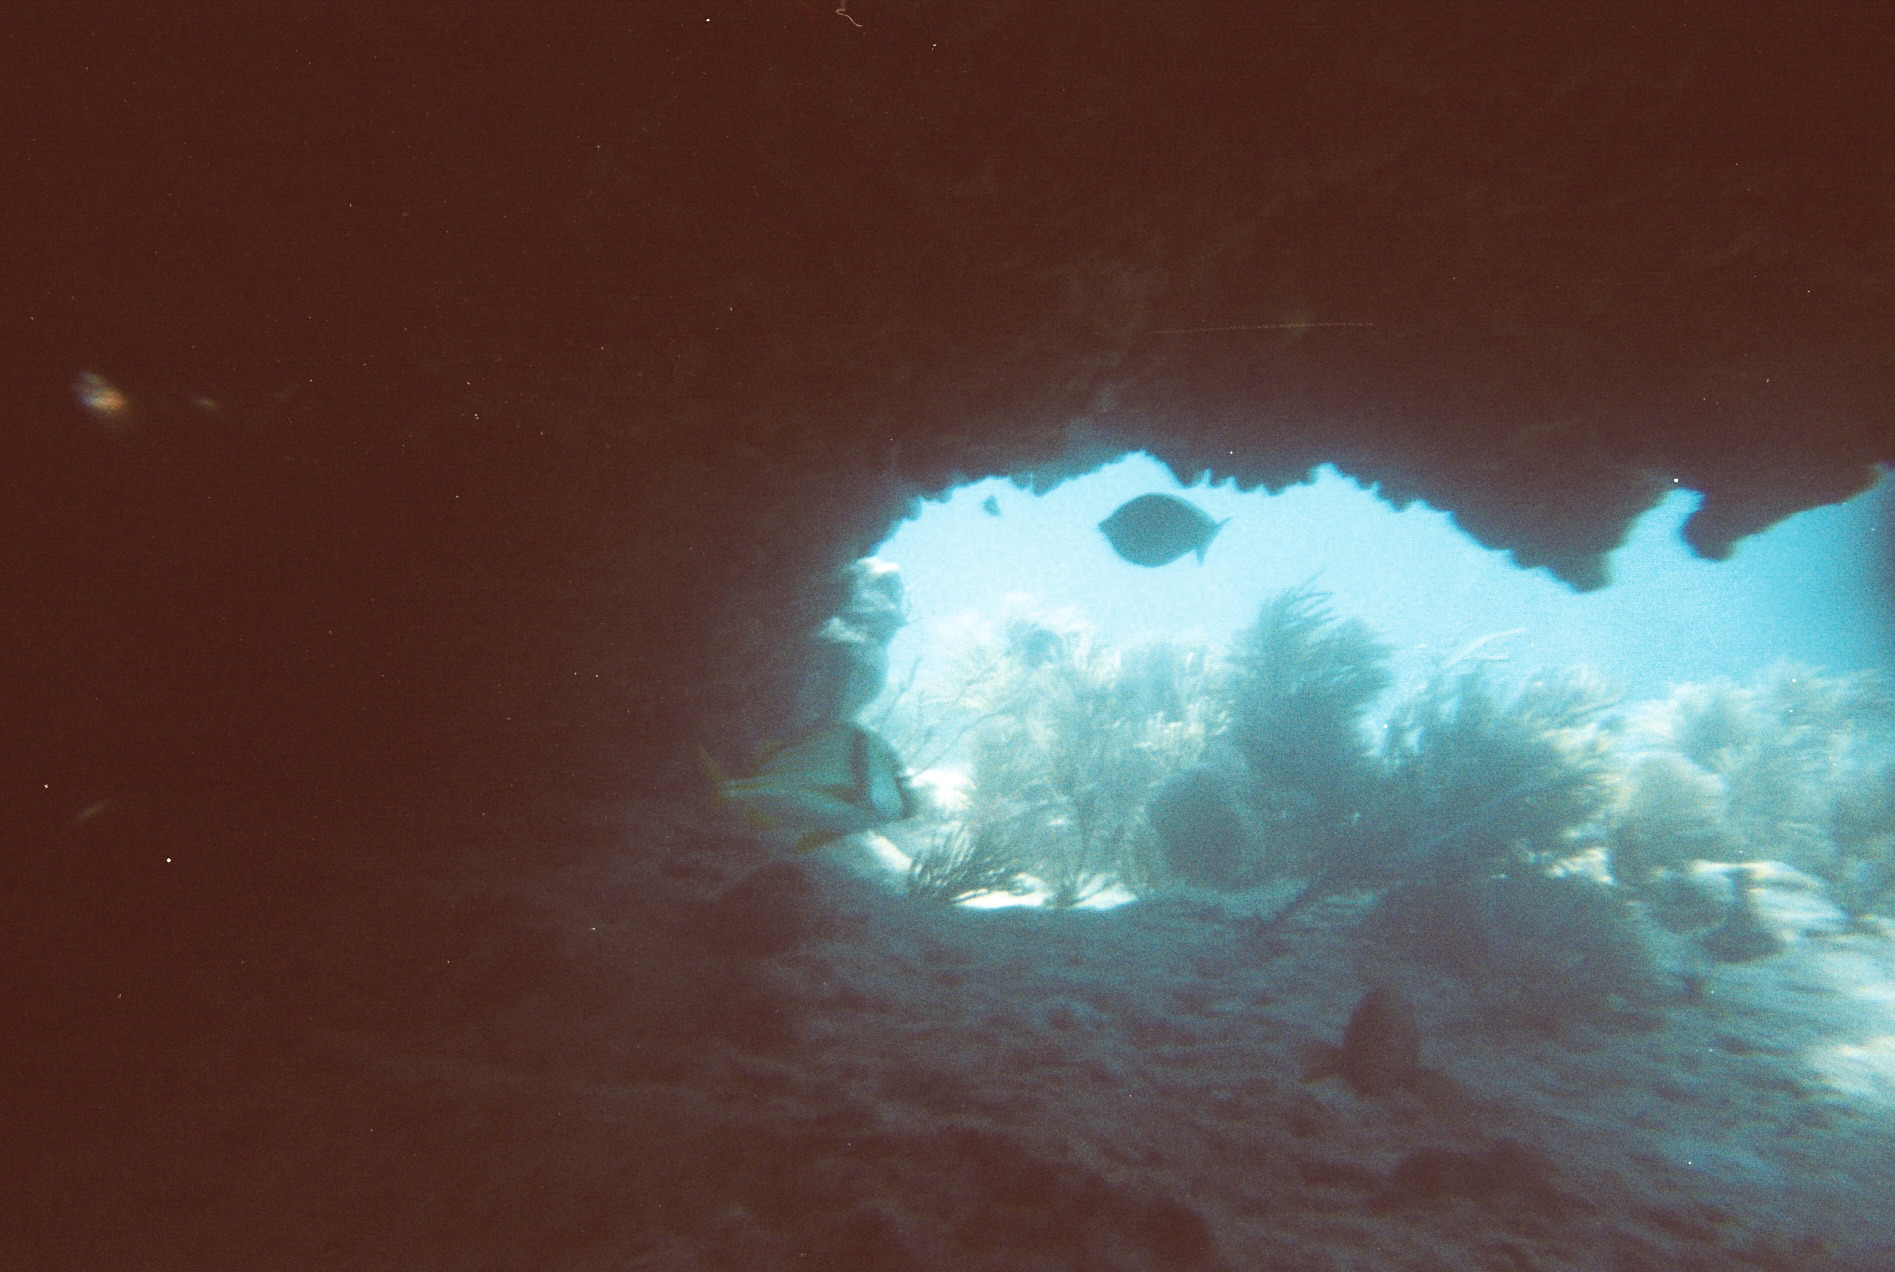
1381, 1048
1200, 831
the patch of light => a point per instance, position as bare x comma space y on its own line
1864, 978
947, 790
103, 401
1035, 893
1863, 1071
878, 851
1108, 898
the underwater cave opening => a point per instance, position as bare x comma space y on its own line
1806, 590
1060, 706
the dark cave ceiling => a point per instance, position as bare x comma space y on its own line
474, 355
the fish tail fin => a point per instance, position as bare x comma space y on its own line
1207, 538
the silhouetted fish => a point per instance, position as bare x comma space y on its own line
1155, 530
991, 506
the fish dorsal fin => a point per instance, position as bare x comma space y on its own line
822, 756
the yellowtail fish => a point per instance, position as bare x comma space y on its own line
834, 782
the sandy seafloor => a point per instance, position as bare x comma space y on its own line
599, 1040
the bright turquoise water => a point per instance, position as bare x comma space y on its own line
1813, 589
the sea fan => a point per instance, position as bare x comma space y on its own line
1669, 812
1075, 758
1479, 781
1470, 781
1299, 682
1486, 792
1863, 828
964, 860
1064, 738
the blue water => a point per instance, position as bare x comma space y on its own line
1812, 589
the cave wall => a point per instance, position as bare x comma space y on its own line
505, 387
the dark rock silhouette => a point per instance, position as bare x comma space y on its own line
1381, 1048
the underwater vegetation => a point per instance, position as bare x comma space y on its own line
1511, 833
1519, 773
1862, 826
1538, 948
1457, 818
1797, 767
1064, 775
1064, 739
1485, 793
1298, 684
963, 860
